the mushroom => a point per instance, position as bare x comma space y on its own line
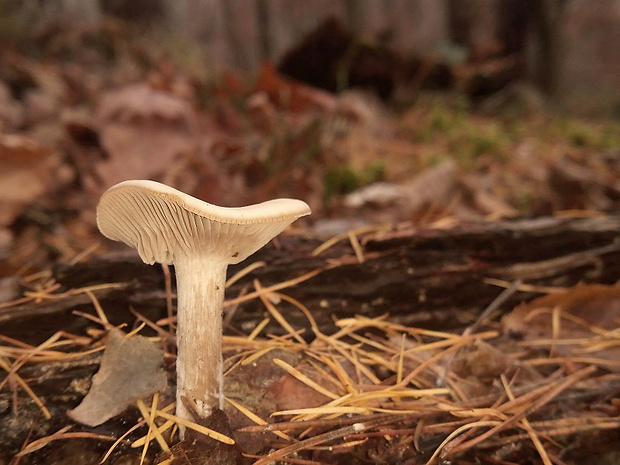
168, 226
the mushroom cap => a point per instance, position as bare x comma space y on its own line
164, 224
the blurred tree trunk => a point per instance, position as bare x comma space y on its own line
547, 45
473, 23
240, 34
82, 13
262, 20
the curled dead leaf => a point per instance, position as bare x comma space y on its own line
27, 171
142, 131
131, 368
581, 321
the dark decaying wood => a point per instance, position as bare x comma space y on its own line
419, 276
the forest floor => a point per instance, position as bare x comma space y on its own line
437, 177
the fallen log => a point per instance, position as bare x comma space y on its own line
421, 276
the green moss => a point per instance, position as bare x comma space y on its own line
589, 135
437, 158
339, 180
373, 172
524, 201
15, 20
481, 144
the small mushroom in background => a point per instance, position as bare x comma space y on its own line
168, 226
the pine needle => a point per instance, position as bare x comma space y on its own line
357, 247
244, 272
150, 419
528, 427
196, 427
340, 237
255, 418
259, 327
339, 410
401, 356
164, 427
60, 434
100, 313
167, 408
275, 287
275, 313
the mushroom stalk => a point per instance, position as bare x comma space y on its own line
200, 289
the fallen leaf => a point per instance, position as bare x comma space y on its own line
584, 313
9, 288
291, 394
7, 242
482, 361
27, 171
142, 131
290, 94
576, 185
433, 186
41, 105
131, 368
12, 113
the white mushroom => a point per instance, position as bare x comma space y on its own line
201, 240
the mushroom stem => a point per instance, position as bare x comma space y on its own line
200, 295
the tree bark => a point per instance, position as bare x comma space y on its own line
548, 40
437, 278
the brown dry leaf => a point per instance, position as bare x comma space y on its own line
9, 288
142, 131
290, 394
41, 105
585, 312
290, 94
478, 365
45, 89
27, 171
482, 361
432, 187
131, 368
484, 198
44, 76
12, 114
7, 242
579, 185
